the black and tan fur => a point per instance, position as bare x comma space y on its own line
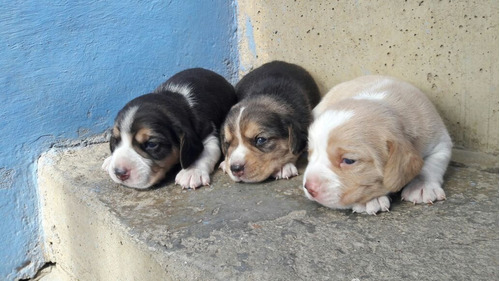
178, 123
265, 132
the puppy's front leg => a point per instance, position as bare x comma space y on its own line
106, 163
372, 207
287, 171
426, 187
198, 173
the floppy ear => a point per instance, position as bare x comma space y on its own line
297, 137
222, 136
223, 141
404, 163
191, 147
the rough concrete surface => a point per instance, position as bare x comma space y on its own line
448, 49
98, 230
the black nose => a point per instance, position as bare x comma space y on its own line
122, 174
237, 169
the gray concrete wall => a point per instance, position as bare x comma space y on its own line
448, 49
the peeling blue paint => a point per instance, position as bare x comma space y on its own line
250, 37
66, 69
6, 178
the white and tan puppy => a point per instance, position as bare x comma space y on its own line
373, 136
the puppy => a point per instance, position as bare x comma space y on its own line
178, 123
265, 132
372, 136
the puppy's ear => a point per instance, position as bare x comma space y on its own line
297, 137
191, 147
403, 164
223, 140
114, 138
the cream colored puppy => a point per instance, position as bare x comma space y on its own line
372, 136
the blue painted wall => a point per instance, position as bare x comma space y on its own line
67, 67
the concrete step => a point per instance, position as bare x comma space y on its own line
98, 230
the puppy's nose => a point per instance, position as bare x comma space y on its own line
312, 187
238, 169
122, 173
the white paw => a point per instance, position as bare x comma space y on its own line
223, 166
106, 163
286, 172
192, 178
372, 207
420, 191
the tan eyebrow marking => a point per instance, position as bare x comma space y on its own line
143, 135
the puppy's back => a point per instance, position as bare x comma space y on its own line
278, 79
211, 94
404, 101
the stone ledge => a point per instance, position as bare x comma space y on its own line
473, 159
98, 230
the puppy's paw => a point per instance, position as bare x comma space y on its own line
372, 207
106, 163
192, 178
421, 191
286, 172
223, 166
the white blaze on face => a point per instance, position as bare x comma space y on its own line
238, 155
319, 172
125, 157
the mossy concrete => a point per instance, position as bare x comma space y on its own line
98, 230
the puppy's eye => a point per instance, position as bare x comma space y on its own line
150, 145
113, 142
259, 141
348, 161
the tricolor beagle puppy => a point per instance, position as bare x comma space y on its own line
265, 132
178, 123
373, 136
